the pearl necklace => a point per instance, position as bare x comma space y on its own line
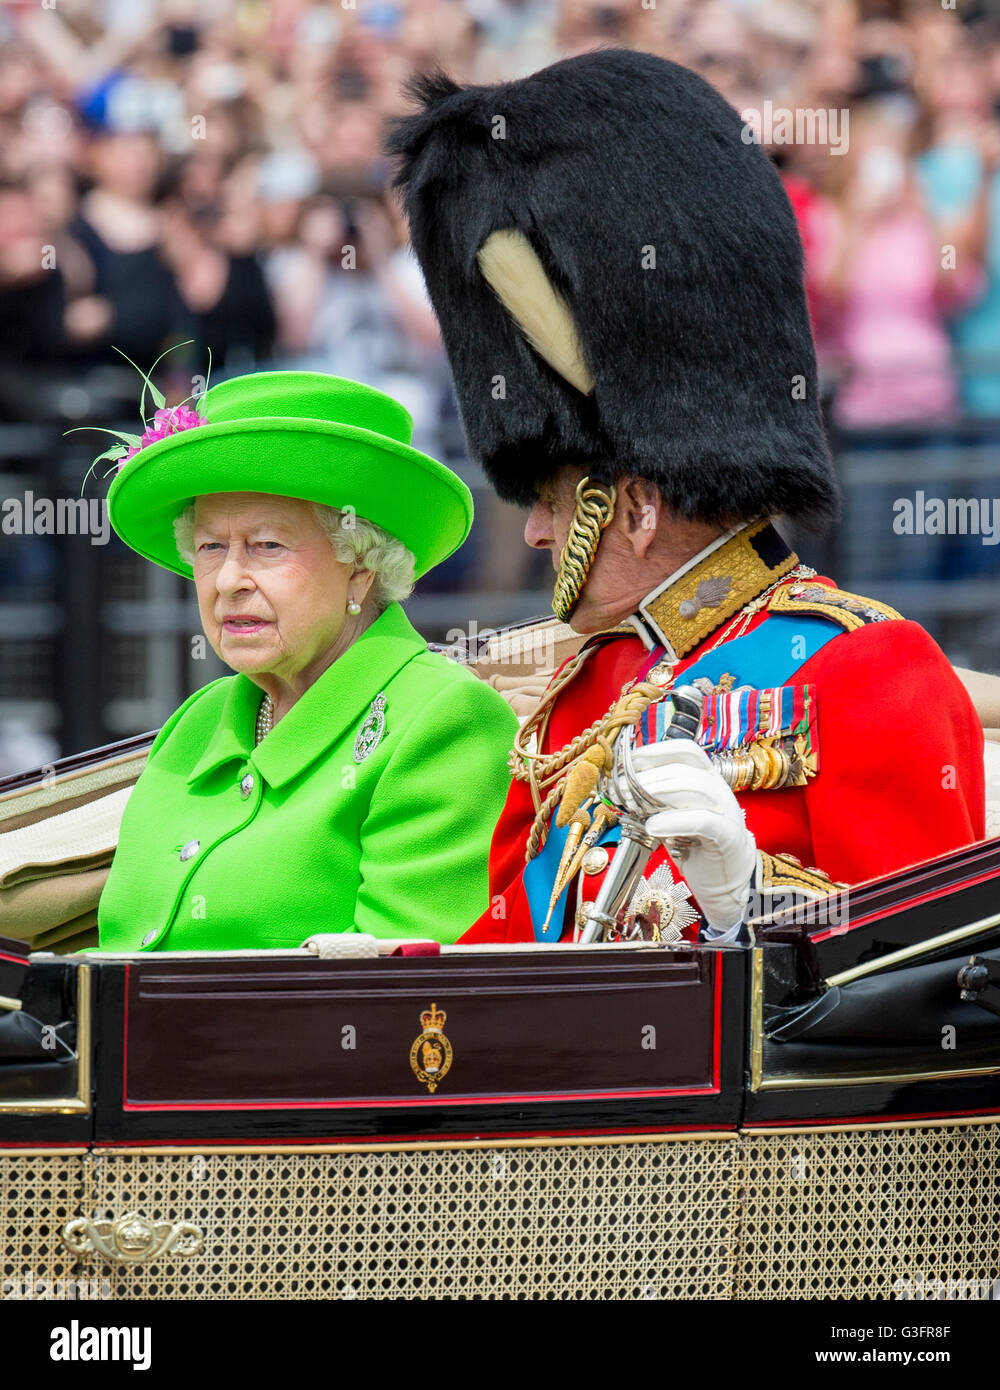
265, 719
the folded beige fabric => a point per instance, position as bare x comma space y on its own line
991, 759
41, 800
70, 936
73, 842
45, 873
529, 650
44, 903
522, 693
984, 692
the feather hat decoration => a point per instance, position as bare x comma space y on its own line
618, 277
512, 269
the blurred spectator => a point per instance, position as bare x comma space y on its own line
890, 282
32, 290
225, 294
120, 227
959, 175
211, 169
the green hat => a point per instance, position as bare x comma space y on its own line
294, 434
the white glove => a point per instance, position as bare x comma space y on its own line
717, 851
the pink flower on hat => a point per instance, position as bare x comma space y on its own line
169, 420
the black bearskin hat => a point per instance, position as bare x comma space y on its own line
670, 240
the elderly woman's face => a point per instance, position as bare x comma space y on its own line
272, 593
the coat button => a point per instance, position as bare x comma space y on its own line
246, 786
189, 850
595, 861
148, 938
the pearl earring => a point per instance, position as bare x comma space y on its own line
353, 607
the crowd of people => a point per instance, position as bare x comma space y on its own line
212, 171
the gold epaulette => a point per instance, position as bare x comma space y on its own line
851, 611
784, 871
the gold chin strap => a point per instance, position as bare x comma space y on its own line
595, 506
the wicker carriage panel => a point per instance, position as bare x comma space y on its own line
874, 1213
616, 1221
37, 1196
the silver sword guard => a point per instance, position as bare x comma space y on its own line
633, 806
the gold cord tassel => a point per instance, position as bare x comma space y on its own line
595, 507
587, 756
604, 819
581, 782
577, 826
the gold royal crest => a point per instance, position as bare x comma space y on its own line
431, 1054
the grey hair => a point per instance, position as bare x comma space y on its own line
355, 542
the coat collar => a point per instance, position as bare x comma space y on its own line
715, 584
338, 699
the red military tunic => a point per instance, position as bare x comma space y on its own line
900, 774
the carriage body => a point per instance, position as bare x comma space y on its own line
805, 1118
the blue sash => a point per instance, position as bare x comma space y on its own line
769, 656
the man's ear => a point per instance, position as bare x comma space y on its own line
639, 506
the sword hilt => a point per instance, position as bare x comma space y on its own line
636, 846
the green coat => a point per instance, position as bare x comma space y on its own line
297, 835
